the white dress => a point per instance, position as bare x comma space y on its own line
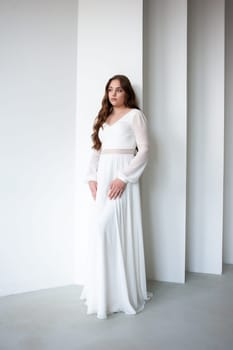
116, 279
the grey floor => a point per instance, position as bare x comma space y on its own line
197, 315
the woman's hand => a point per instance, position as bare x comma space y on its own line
116, 189
93, 188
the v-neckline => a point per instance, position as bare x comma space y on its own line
124, 115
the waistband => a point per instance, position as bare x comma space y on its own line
118, 151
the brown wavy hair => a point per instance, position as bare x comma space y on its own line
106, 109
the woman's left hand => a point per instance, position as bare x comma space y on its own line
117, 187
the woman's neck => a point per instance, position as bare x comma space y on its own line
119, 110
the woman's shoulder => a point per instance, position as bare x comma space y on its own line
137, 114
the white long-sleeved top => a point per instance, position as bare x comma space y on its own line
127, 133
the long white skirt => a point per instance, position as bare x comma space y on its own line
116, 280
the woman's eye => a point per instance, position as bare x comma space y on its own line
116, 91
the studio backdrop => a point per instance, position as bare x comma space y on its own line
56, 57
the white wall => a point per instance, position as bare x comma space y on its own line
164, 183
205, 135
44, 202
109, 42
228, 170
37, 136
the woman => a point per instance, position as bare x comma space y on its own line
116, 279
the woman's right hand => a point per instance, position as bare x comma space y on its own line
93, 188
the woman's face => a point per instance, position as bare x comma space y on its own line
116, 94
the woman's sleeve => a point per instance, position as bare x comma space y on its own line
136, 167
92, 168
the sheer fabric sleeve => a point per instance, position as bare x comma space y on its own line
92, 168
136, 167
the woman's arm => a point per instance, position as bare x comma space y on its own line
91, 176
136, 167
93, 166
